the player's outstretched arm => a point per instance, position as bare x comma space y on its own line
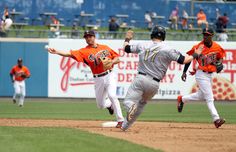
129, 35
189, 58
61, 53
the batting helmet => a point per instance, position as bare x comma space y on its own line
158, 32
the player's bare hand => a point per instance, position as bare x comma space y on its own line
129, 35
199, 49
52, 50
193, 72
184, 76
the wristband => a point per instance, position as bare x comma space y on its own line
195, 55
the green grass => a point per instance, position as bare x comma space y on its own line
20, 139
154, 111
46, 139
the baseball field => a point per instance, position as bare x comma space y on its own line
69, 125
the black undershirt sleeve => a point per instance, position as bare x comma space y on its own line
127, 49
181, 59
186, 66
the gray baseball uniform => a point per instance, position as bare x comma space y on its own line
154, 59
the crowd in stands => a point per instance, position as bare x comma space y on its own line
187, 23
176, 22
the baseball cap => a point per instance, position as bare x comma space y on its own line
19, 60
91, 33
209, 31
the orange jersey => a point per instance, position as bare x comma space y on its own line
91, 56
17, 72
201, 16
208, 56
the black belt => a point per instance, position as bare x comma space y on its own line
102, 74
207, 72
146, 74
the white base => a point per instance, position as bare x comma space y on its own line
109, 124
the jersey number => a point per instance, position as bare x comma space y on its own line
150, 54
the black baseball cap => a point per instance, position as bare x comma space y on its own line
91, 33
19, 60
209, 31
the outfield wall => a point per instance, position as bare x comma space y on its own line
55, 76
34, 57
68, 78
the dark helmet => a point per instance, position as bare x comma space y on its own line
208, 31
158, 32
91, 33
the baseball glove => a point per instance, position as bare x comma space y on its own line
129, 35
219, 66
107, 63
23, 75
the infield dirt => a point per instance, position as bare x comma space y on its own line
169, 137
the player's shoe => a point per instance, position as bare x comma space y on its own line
14, 101
131, 112
219, 122
111, 110
20, 105
119, 124
180, 104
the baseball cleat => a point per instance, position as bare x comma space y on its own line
14, 101
180, 104
111, 110
131, 112
119, 124
219, 122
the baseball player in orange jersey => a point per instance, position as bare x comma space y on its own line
209, 61
18, 75
105, 82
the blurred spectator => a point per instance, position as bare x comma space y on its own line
113, 27
54, 27
6, 24
222, 36
174, 18
5, 13
148, 20
184, 20
217, 13
224, 20
202, 19
221, 23
74, 31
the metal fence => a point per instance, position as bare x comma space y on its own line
188, 35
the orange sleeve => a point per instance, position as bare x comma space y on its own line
221, 54
113, 54
190, 52
27, 72
12, 71
77, 55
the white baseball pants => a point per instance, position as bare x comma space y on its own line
105, 91
19, 87
204, 81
